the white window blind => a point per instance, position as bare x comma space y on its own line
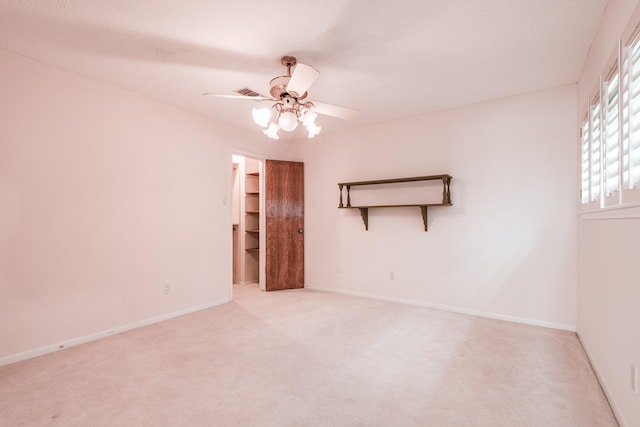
624, 106
585, 160
610, 138
595, 151
611, 134
633, 64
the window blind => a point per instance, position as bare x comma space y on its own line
624, 107
633, 61
595, 151
584, 197
611, 134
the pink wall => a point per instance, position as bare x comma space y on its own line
106, 195
608, 284
507, 248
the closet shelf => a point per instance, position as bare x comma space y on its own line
252, 212
253, 250
252, 231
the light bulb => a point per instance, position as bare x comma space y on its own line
261, 116
288, 121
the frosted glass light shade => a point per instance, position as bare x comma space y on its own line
308, 117
272, 131
288, 121
261, 116
313, 129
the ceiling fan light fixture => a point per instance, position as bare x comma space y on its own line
272, 131
307, 116
287, 121
313, 129
261, 116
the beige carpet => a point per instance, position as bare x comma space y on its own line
305, 358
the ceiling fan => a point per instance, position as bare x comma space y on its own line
288, 94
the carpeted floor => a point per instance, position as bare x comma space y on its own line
305, 358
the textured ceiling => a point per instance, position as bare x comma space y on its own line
388, 59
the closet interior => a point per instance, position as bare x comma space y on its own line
246, 220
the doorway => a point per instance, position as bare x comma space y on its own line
248, 264
268, 224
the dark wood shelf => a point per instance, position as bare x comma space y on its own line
395, 206
253, 193
252, 212
252, 231
364, 210
253, 250
396, 180
254, 174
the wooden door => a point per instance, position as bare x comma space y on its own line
284, 205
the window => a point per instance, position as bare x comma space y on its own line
610, 136
632, 124
595, 154
585, 160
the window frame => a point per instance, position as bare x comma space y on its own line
612, 200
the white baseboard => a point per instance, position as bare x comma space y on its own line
41, 351
452, 309
603, 383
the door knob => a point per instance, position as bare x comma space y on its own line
300, 231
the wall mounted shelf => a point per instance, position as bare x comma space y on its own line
364, 210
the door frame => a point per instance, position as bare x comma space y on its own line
262, 240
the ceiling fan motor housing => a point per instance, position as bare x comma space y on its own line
288, 102
279, 86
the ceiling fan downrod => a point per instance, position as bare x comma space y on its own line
289, 61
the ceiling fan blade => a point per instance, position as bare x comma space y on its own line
253, 98
301, 80
335, 110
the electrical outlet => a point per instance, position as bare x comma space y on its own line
392, 275
634, 379
166, 288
